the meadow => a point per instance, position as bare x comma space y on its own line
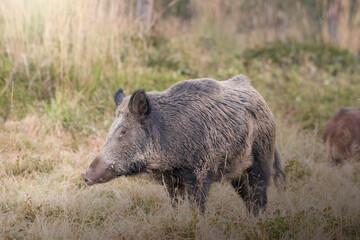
62, 60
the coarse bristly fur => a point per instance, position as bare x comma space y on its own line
191, 135
342, 136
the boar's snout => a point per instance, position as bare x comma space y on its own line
98, 172
86, 179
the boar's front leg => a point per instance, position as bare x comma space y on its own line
197, 188
174, 186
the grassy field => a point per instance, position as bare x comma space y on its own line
61, 61
43, 196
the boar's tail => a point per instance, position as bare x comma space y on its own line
278, 175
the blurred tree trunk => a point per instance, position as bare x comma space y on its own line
144, 13
333, 19
341, 23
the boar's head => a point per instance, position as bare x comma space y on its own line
122, 153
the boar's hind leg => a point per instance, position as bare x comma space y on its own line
251, 186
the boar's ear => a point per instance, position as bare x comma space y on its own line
118, 96
139, 104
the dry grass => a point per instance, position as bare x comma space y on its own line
43, 196
79, 33
57, 41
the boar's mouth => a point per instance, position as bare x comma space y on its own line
90, 179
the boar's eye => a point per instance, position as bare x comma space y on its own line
122, 132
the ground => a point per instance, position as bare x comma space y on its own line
44, 197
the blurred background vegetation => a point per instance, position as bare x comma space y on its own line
64, 59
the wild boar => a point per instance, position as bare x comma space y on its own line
191, 135
341, 136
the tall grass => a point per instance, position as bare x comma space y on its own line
59, 43
84, 50
65, 32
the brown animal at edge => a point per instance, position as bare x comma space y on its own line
342, 136
193, 134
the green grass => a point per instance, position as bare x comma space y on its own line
309, 81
